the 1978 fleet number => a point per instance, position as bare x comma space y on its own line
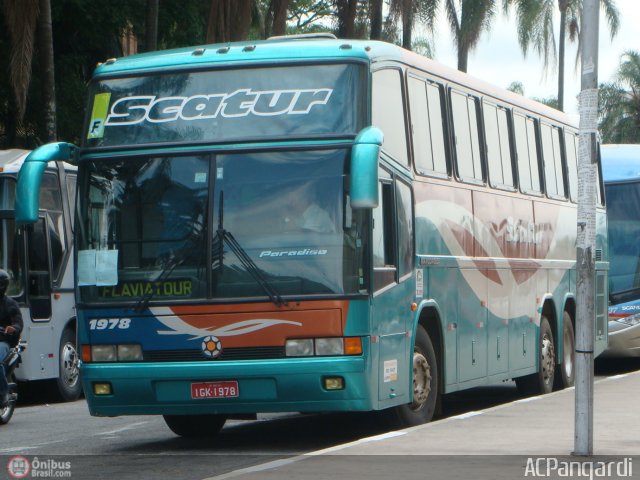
109, 323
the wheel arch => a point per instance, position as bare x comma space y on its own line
429, 317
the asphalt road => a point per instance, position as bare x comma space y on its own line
143, 447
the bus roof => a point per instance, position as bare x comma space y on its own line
11, 161
620, 162
304, 48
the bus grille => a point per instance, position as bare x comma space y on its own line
255, 353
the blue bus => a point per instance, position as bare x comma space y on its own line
313, 224
621, 173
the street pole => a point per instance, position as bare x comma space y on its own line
585, 251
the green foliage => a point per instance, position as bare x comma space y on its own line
516, 87
620, 103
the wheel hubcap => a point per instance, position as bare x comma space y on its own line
421, 381
547, 359
70, 371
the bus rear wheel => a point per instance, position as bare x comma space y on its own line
566, 375
541, 382
195, 426
425, 381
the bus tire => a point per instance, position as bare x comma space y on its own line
68, 385
195, 426
542, 381
425, 381
566, 374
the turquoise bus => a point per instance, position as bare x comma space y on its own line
313, 224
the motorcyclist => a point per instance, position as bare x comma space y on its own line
11, 322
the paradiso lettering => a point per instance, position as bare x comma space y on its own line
172, 288
242, 102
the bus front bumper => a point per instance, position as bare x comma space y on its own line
291, 385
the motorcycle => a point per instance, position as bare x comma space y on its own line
11, 362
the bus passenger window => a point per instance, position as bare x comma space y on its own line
465, 126
388, 113
427, 126
572, 164
496, 128
552, 160
527, 153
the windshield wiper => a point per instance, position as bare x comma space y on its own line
225, 236
167, 269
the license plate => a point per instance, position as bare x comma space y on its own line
227, 389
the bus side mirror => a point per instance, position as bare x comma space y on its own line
30, 178
364, 168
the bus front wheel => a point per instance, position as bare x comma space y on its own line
542, 381
68, 386
195, 426
425, 382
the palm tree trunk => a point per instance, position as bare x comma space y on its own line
346, 18
407, 24
278, 11
240, 19
561, 52
463, 56
151, 32
45, 47
375, 17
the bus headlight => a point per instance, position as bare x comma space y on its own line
322, 347
299, 347
329, 346
103, 353
116, 353
129, 353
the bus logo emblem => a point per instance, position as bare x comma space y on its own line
211, 347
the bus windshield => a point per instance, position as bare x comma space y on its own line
227, 105
623, 209
165, 222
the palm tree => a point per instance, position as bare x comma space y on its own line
20, 18
26, 21
229, 20
535, 29
468, 19
346, 11
45, 54
277, 17
620, 103
412, 11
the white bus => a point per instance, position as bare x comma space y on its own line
39, 260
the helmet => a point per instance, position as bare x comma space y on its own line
4, 281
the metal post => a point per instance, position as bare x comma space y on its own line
585, 251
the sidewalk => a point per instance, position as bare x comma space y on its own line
532, 427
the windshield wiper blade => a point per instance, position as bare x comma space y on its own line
167, 270
247, 262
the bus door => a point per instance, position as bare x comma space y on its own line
393, 287
38, 272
